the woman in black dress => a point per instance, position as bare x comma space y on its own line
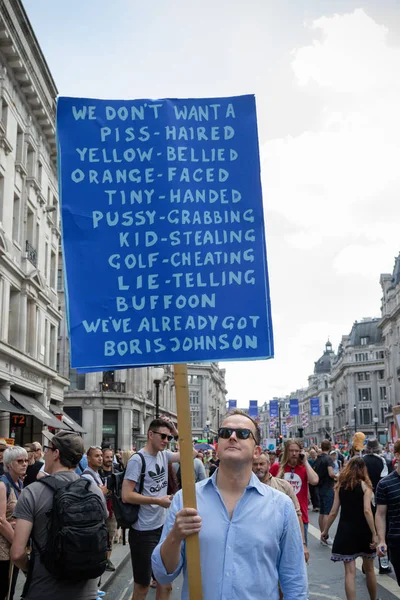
356, 534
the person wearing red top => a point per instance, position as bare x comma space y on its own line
294, 467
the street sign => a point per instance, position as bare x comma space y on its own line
163, 226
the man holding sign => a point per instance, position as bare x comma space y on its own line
252, 529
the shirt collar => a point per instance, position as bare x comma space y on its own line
253, 483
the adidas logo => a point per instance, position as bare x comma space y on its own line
158, 475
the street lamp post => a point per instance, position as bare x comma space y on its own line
157, 374
387, 435
355, 418
376, 421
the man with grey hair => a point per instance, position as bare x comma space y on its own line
32, 513
3, 446
11, 484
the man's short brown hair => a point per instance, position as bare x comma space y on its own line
397, 446
156, 424
237, 411
326, 446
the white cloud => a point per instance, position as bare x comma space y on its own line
336, 185
327, 181
353, 55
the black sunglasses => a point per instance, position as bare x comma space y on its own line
242, 434
47, 448
164, 436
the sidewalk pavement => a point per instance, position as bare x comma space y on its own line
120, 555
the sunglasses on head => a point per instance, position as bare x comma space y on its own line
164, 436
242, 434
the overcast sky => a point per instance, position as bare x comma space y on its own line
326, 77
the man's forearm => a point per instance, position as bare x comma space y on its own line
380, 524
22, 562
311, 474
171, 552
135, 498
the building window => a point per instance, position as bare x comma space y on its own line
31, 161
60, 281
367, 375
365, 416
327, 411
326, 384
16, 217
380, 355
4, 114
382, 393
53, 347
364, 394
360, 376
77, 380
381, 374
19, 152
194, 400
13, 318
75, 412
383, 413
53, 271
361, 356
364, 341
1, 198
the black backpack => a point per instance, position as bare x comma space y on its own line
126, 514
77, 538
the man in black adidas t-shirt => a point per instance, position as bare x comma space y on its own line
388, 508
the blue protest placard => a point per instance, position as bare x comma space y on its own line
294, 408
273, 408
315, 411
163, 231
232, 404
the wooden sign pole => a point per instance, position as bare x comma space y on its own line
187, 472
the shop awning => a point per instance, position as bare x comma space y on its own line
5, 405
67, 420
37, 410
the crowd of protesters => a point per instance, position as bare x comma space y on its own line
361, 483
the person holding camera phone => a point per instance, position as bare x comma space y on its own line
295, 469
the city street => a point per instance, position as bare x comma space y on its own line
326, 579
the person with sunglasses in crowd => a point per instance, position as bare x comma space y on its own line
295, 468
249, 532
145, 534
15, 465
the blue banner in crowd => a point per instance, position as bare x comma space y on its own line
232, 404
253, 408
315, 412
163, 231
294, 408
273, 408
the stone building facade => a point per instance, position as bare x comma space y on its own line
390, 327
207, 397
117, 406
359, 385
29, 232
319, 386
